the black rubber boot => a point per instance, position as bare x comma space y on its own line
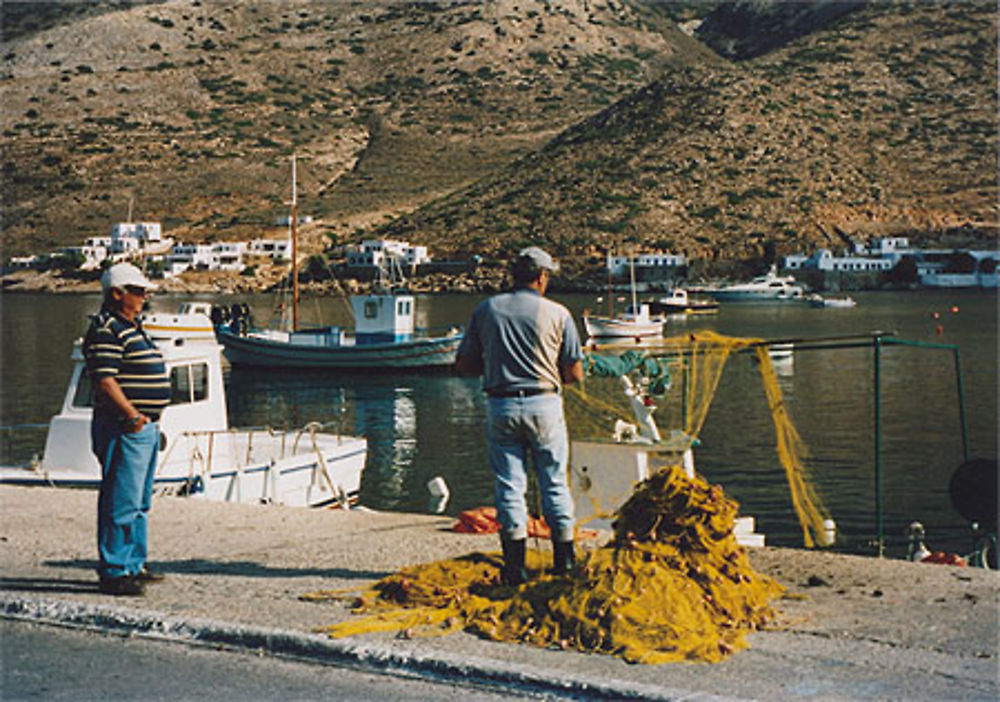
563, 556
513, 572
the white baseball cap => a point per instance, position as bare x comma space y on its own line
121, 275
534, 258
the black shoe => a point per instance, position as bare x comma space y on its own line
127, 586
563, 556
513, 572
149, 576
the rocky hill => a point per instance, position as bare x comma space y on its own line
192, 109
884, 122
475, 126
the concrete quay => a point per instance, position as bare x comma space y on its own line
852, 628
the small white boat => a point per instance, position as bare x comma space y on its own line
636, 322
200, 455
839, 302
769, 287
632, 323
678, 301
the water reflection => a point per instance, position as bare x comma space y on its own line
418, 427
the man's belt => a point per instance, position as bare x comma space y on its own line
523, 392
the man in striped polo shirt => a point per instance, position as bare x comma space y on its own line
131, 389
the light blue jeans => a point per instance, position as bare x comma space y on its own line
128, 464
515, 428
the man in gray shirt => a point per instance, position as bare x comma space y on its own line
526, 347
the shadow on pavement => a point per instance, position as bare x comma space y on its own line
247, 569
48, 585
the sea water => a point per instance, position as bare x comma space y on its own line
423, 426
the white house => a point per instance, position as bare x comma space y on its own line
130, 237
379, 252
824, 260
276, 249
22, 262
227, 256
93, 255
619, 265
187, 256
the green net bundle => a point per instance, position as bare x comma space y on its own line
672, 585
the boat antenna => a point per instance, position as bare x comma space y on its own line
631, 271
295, 251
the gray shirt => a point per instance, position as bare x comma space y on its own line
523, 340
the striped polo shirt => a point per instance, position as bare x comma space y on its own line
117, 348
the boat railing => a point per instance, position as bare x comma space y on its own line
286, 441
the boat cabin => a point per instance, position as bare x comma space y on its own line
382, 318
197, 394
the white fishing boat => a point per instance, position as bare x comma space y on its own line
678, 301
632, 323
384, 335
769, 287
200, 455
636, 322
836, 302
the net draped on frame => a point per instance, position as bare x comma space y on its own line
693, 363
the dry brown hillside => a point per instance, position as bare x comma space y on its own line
191, 109
884, 122
479, 126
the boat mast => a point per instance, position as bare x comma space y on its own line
611, 292
631, 270
295, 253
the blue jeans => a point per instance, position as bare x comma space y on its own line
516, 427
128, 464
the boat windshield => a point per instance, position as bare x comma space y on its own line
188, 383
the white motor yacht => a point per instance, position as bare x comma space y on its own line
769, 287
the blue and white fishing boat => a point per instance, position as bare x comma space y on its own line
383, 338
384, 335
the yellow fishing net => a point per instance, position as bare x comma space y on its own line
672, 585
695, 363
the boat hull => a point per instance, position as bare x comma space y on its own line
609, 327
436, 352
330, 474
723, 295
689, 308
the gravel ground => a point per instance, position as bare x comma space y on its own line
851, 627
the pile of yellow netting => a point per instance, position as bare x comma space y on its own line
672, 585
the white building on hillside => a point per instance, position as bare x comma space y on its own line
132, 237
380, 252
619, 265
276, 249
228, 256
93, 255
824, 260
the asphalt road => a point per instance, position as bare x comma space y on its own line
54, 663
